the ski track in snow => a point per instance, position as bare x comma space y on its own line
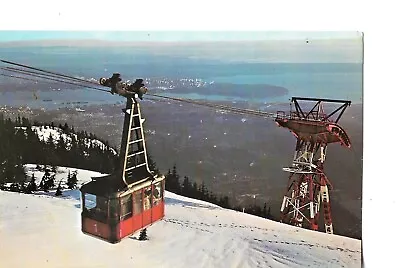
41, 230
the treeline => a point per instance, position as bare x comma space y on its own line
20, 144
185, 187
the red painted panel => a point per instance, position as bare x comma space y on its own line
96, 228
137, 223
158, 212
147, 215
339, 133
152, 215
125, 228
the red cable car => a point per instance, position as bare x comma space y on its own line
117, 205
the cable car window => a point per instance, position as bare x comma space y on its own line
126, 207
137, 202
97, 206
101, 207
90, 201
101, 203
147, 198
157, 193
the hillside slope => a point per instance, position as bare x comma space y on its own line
44, 231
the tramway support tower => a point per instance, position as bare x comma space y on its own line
307, 193
130, 199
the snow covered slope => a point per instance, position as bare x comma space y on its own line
44, 231
44, 133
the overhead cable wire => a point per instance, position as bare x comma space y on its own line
49, 72
39, 74
218, 106
19, 77
48, 75
52, 79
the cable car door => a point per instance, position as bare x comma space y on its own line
147, 206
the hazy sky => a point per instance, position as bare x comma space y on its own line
173, 36
243, 46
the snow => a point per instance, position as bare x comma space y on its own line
42, 230
62, 174
44, 133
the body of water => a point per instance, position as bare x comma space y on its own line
339, 81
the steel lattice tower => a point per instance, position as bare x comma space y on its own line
307, 192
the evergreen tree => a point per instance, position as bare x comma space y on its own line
54, 168
143, 235
21, 146
72, 180
195, 190
46, 176
59, 191
25, 122
264, 212
224, 202
269, 216
203, 191
51, 181
15, 187
175, 180
212, 198
168, 181
22, 187
174, 171
32, 187
186, 187
48, 183
19, 173
66, 128
152, 164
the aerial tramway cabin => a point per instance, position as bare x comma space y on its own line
118, 205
